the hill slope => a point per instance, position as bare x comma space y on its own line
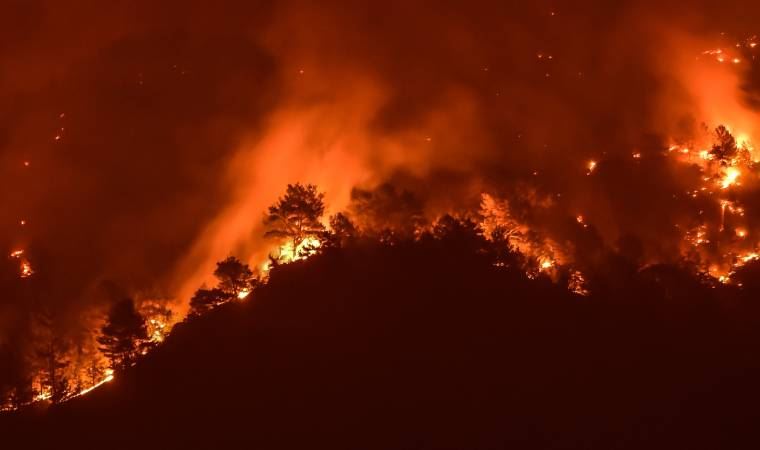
427, 347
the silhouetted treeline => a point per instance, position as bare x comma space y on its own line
441, 341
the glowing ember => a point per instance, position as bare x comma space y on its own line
590, 166
243, 294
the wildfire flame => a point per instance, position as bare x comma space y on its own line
108, 378
729, 178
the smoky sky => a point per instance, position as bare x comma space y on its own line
131, 114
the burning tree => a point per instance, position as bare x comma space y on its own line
725, 148
234, 277
236, 280
158, 319
296, 216
123, 334
498, 223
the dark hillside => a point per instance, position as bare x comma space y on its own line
428, 345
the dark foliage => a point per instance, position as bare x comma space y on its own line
123, 335
51, 352
204, 300
725, 147
234, 276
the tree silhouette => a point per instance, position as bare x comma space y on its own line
123, 334
234, 276
52, 353
205, 300
15, 379
725, 148
342, 231
296, 215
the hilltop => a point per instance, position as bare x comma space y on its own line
429, 345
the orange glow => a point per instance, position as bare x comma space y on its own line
26, 269
108, 378
729, 178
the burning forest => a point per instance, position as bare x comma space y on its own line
163, 165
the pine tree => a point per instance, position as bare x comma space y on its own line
296, 215
725, 147
205, 300
124, 335
234, 277
52, 354
342, 231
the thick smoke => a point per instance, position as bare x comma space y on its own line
178, 123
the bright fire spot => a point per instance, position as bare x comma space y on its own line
591, 166
26, 266
243, 294
546, 264
306, 248
43, 395
26, 269
741, 232
637, 155
577, 283
730, 177
158, 330
749, 257
109, 377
